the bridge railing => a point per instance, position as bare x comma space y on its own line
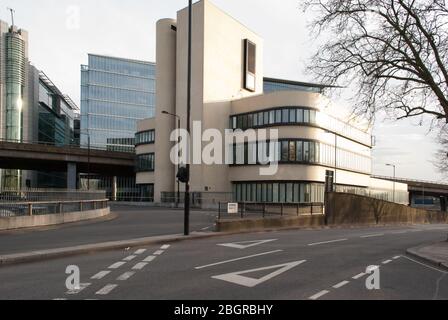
45, 195
20, 209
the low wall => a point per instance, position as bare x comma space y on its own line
350, 209
51, 219
236, 225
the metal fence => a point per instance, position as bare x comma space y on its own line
264, 210
18, 209
205, 200
39, 195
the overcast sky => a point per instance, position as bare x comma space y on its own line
59, 43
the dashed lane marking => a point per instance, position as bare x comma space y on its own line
358, 276
140, 266
341, 284
166, 246
140, 251
149, 259
125, 276
326, 242
130, 258
396, 257
319, 295
387, 261
100, 275
237, 259
117, 265
158, 252
106, 290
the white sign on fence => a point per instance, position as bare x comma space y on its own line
232, 208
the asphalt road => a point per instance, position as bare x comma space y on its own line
291, 265
130, 223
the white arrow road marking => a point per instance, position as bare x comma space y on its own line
237, 278
237, 259
245, 244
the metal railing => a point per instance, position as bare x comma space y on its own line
198, 199
20, 209
263, 210
39, 195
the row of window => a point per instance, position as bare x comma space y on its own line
129, 67
297, 116
118, 109
288, 192
146, 137
299, 151
111, 123
270, 86
121, 81
145, 162
121, 95
273, 117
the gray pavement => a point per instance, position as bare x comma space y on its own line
130, 223
292, 265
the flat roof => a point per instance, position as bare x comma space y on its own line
299, 83
120, 58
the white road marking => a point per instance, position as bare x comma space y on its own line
149, 259
117, 265
130, 258
237, 259
373, 235
341, 284
100, 275
237, 278
158, 252
387, 261
399, 232
82, 286
397, 257
246, 244
60, 299
206, 228
106, 290
166, 246
326, 242
359, 276
140, 266
425, 265
140, 251
125, 276
319, 295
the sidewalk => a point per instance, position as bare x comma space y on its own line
435, 254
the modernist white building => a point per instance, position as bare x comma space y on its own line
229, 91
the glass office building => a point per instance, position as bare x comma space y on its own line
272, 85
115, 94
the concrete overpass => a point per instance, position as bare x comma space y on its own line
419, 190
73, 160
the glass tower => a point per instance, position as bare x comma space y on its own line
15, 62
115, 94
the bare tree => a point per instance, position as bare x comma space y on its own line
441, 161
393, 52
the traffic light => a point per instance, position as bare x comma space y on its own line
182, 175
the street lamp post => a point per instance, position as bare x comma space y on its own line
187, 185
395, 167
178, 164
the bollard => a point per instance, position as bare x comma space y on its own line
60, 207
30, 209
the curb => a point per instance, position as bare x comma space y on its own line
414, 252
41, 255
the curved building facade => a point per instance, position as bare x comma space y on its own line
231, 96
